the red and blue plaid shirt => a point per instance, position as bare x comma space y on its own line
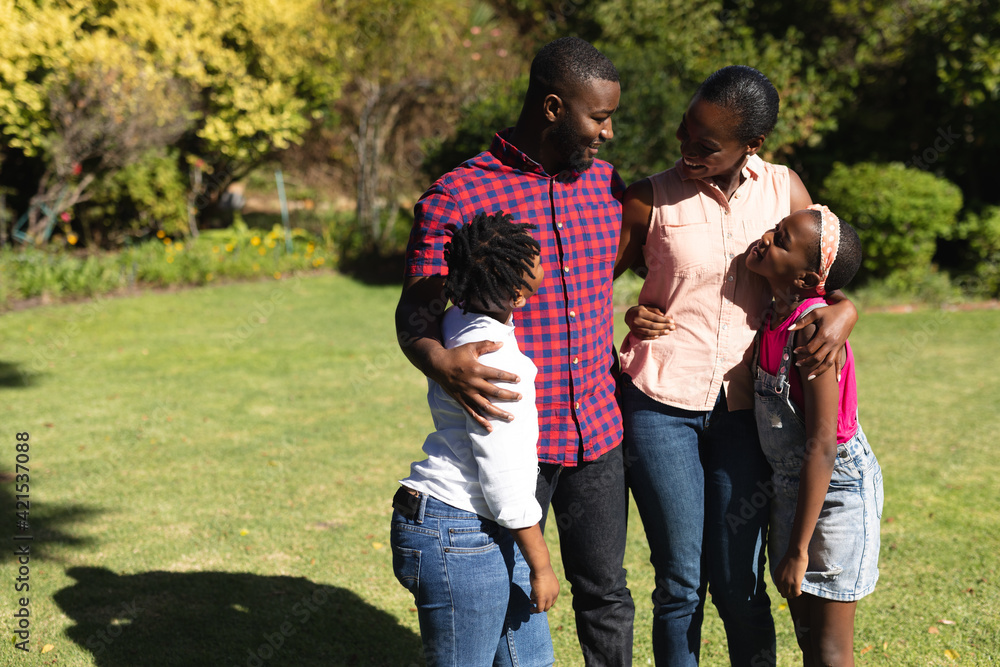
566, 328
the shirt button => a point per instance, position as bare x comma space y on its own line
565, 269
572, 314
725, 326
731, 255
576, 406
730, 279
559, 225
729, 235
576, 360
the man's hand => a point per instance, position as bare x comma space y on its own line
649, 322
459, 373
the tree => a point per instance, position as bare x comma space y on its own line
92, 106
414, 64
87, 87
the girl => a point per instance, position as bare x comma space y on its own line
458, 515
823, 541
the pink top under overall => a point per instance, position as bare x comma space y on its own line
772, 342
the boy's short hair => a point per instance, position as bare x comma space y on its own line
487, 260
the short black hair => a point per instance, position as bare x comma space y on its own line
848, 259
487, 260
747, 94
564, 63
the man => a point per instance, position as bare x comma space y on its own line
544, 171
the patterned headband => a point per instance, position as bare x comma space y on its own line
829, 243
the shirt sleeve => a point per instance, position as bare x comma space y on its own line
508, 463
435, 218
617, 186
508, 469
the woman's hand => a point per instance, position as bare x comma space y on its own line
649, 322
789, 574
544, 589
834, 324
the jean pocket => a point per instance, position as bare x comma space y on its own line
473, 539
406, 567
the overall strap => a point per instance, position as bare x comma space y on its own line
754, 364
786, 353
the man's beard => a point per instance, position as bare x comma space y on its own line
570, 145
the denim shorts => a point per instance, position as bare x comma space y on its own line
843, 552
471, 587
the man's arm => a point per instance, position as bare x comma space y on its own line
458, 371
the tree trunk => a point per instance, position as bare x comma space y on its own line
366, 146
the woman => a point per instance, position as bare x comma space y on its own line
696, 469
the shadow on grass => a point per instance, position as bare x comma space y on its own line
46, 523
12, 377
229, 619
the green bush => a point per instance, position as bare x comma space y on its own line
899, 214
981, 231
234, 253
144, 196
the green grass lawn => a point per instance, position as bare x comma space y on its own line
211, 469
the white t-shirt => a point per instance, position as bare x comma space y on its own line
491, 474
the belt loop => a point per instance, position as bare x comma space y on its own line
422, 509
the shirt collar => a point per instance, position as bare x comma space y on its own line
511, 156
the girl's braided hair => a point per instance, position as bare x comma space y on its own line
487, 259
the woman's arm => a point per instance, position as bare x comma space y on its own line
799, 196
822, 398
821, 351
645, 322
818, 353
637, 210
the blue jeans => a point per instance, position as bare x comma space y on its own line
700, 482
470, 584
590, 508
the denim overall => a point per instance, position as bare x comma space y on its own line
843, 552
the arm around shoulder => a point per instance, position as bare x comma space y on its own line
637, 210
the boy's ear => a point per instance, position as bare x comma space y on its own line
807, 280
519, 300
553, 107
